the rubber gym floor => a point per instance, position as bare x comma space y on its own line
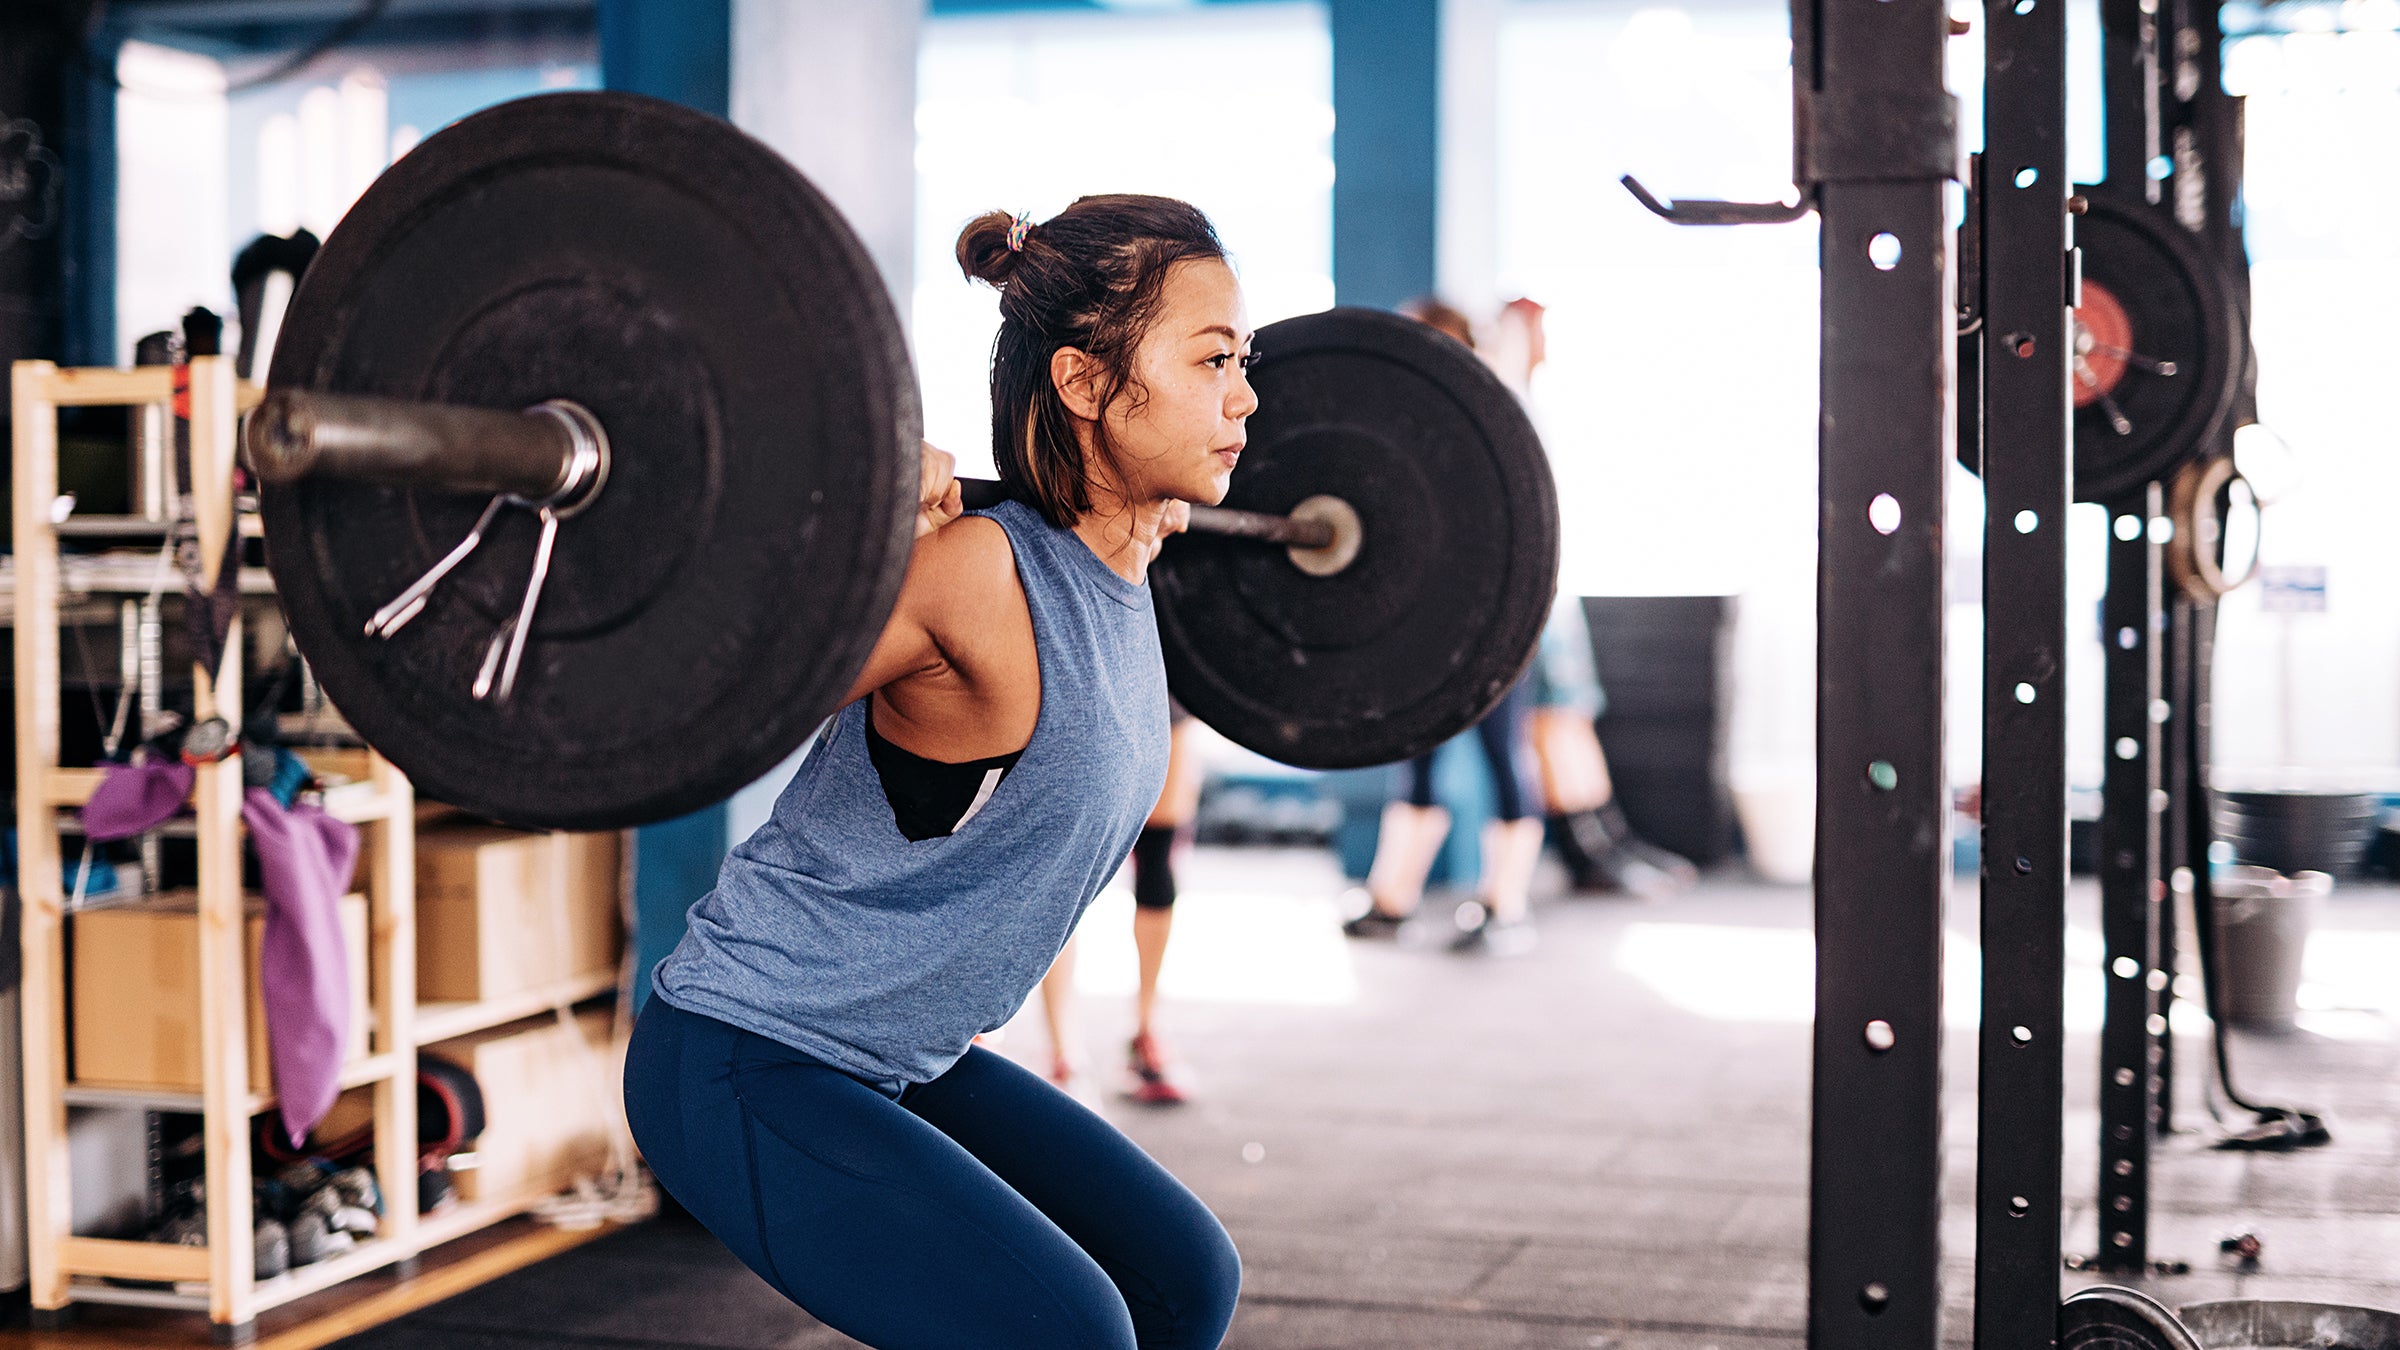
1601, 1143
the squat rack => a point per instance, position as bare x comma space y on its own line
1924, 351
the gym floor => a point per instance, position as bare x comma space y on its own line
1601, 1143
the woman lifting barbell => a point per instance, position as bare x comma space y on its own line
803, 1081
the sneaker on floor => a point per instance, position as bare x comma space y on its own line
1154, 1082
1367, 919
1677, 869
1514, 937
1481, 932
1473, 919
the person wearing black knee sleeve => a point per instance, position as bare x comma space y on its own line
1153, 1078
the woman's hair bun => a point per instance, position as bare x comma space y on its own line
983, 251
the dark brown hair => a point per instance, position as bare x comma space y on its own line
1089, 278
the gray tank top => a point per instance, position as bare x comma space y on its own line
832, 933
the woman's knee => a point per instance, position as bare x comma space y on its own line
1197, 1294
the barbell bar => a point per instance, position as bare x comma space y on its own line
556, 454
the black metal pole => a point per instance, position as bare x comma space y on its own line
2027, 472
2132, 802
1878, 139
2177, 775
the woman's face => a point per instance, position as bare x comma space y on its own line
1178, 426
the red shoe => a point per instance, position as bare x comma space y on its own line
1154, 1084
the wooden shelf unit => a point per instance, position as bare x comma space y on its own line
67, 1268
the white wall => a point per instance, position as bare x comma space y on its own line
832, 84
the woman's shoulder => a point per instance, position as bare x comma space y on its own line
969, 562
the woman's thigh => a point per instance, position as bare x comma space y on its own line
1169, 1257
849, 1205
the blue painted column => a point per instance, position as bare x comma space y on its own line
1386, 148
680, 50
1396, 150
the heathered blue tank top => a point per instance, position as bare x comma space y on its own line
830, 932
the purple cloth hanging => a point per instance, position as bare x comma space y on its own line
304, 859
132, 798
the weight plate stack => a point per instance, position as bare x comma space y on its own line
2293, 831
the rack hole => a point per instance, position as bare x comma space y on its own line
2027, 176
1875, 1297
1884, 251
2128, 747
2028, 522
2021, 1035
2024, 7
1884, 513
1880, 1036
1883, 776
2019, 1207
2025, 692
2129, 528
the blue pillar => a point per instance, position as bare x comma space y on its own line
1386, 148
671, 49
91, 243
680, 50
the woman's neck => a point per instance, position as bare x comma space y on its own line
1122, 534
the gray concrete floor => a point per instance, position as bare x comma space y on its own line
1604, 1142
1601, 1142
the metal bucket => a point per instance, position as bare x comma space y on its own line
2253, 1324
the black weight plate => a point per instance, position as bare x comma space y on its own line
712, 605
2179, 307
2150, 290
1440, 612
2106, 1317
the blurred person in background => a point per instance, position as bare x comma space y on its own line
1414, 825
1587, 824
1152, 1077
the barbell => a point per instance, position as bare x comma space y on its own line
589, 460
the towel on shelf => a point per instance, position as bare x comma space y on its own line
305, 859
132, 798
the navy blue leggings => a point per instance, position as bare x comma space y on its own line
985, 1208
1500, 733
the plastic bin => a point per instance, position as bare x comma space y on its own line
2263, 922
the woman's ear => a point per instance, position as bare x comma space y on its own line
1077, 378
